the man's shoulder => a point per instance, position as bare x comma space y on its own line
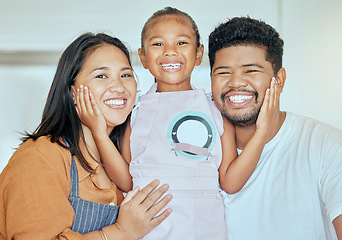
312, 126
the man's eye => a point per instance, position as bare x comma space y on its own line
223, 73
252, 71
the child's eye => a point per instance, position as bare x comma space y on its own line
182, 43
157, 44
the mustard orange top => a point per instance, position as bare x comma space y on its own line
34, 189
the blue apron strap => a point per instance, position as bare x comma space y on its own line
73, 175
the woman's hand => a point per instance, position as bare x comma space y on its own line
89, 112
138, 212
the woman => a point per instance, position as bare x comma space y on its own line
54, 186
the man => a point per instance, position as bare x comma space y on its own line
295, 191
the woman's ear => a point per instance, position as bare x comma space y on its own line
73, 92
280, 78
142, 57
199, 55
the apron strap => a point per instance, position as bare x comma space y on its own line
73, 175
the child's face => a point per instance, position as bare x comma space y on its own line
170, 52
109, 77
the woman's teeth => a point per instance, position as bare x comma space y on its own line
115, 102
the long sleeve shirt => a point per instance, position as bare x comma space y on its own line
35, 187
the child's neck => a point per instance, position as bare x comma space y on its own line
164, 87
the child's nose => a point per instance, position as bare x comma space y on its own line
170, 51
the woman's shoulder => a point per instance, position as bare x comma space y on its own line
39, 154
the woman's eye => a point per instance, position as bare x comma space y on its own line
101, 76
126, 75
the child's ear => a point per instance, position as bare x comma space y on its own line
142, 57
199, 55
280, 78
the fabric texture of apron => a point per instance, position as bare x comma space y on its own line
89, 216
176, 139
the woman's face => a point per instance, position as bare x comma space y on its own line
109, 77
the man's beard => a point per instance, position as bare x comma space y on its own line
242, 120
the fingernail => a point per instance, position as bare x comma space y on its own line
156, 182
81, 86
165, 186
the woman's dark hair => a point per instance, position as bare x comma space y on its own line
247, 31
166, 12
59, 117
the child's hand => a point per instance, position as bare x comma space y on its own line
89, 112
269, 107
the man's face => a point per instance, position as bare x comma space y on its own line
240, 77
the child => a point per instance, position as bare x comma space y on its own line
178, 135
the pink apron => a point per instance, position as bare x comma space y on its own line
176, 139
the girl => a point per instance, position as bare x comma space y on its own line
178, 135
54, 186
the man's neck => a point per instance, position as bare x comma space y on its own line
244, 134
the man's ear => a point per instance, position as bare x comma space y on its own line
142, 58
281, 78
199, 55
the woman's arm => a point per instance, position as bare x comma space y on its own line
34, 190
91, 116
236, 170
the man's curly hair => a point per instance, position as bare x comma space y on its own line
247, 31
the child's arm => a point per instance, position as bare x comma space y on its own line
115, 166
236, 170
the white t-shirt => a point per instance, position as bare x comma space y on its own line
295, 191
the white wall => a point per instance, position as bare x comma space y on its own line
310, 29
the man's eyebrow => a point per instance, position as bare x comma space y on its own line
252, 65
221, 67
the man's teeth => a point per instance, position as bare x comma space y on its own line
171, 66
115, 102
239, 98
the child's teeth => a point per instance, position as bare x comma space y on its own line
171, 66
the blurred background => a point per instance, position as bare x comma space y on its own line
34, 33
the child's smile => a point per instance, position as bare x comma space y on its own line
170, 52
